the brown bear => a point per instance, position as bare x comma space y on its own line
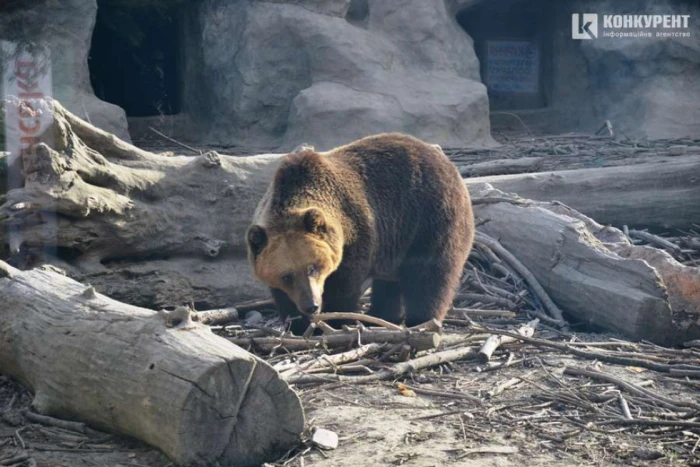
387, 207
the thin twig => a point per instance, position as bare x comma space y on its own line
356, 317
591, 355
660, 400
196, 151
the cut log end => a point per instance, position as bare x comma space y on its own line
182, 389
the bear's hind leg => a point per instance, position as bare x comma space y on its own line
429, 288
386, 301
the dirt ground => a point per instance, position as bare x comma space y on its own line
527, 413
379, 426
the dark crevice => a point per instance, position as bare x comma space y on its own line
358, 13
135, 58
134, 259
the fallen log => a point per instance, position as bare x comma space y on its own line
659, 195
118, 368
146, 229
502, 166
593, 272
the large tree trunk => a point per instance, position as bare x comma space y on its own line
593, 272
147, 229
659, 195
197, 397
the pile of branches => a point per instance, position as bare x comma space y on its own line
684, 246
501, 321
495, 288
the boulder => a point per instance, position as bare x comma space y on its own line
298, 71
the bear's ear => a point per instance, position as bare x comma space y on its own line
257, 239
315, 222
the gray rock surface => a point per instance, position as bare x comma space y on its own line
647, 87
66, 27
327, 73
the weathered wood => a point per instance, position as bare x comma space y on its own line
217, 317
146, 229
495, 341
192, 394
417, 340
502, 166
592, 272
655, 195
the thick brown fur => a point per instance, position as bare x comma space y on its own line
388, 207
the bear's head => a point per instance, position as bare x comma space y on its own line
297, 254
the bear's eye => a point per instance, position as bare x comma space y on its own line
287, 279
313, 270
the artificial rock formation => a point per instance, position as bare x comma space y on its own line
287, 72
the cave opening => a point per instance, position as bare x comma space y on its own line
512, 41
134, 59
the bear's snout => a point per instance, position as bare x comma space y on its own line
311, 308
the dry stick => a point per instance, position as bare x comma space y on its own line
216, 317
458, 322
15, 460
197, 151
647, 422
688, 373
655, 240
333, 360
603, 357
417, 340
356, 317
492, 289
244, 307
476, 297
392, 350
496, 340
660, 400
397, 369
57, 422
624, 406
477, 313
520, 268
